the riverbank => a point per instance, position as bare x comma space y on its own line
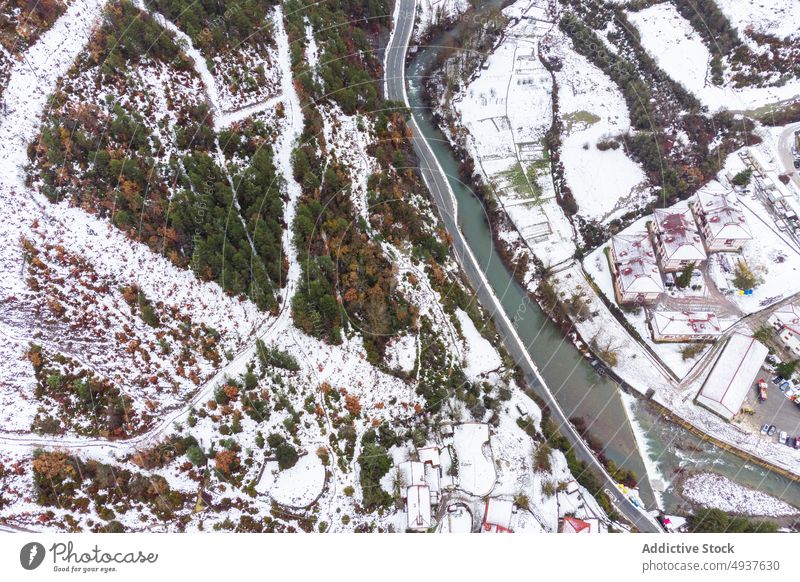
536, 279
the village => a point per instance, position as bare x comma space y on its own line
708, 290
456, 486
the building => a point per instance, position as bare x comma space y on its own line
633, 264
418, 508
429, 456
412, 473
569, 524
786, 322
758, 162
677, 240
497, 516
721, 219
684, 326
732, 376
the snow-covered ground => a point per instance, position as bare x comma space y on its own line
774, 255
297, 486
506, 110
715, 491
678, 49
593, 110
776, 17
433, 13
198, 408
476, 470
480, 356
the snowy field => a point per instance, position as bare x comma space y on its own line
507, 109
678, 49
779, 18
592, 110
715, 491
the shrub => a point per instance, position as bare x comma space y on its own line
717, 521
374, 462
742, 178
744, 278
196, 455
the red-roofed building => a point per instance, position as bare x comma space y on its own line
677, 240
721, 219
786, 321
497, 516
574, 525
684, 326
636, 275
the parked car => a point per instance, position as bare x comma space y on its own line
772, 430
784, 385
765, 429
791, 442
777, 380
782, 437
797, 443
762, 390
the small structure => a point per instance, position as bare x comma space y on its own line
569, 524
412, 473
429, 455
786, 322
732, 376
633, 264
677, 240
720, 219
497, 516
418, 508
684, 326
757, 161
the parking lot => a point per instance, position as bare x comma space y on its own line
777, 409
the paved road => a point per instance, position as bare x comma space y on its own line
785, 143
442, 194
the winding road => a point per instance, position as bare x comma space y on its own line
785, 143
439, 186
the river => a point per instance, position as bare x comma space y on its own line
670, 451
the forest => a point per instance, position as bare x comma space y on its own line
106, 158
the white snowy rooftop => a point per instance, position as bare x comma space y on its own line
429, 455
418, 504
413, 473
638, 270
678, 234
686, 323
497, 515
723, 213
733, 374
788, 316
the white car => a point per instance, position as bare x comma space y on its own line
782, 437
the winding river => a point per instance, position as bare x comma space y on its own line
585, 395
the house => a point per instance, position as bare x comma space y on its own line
786, 321
412, 473
684, 326
732, 376
429, 455
635, 270
431, 462
721, 219
677, 240
497, 516
418, 508
569, 524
